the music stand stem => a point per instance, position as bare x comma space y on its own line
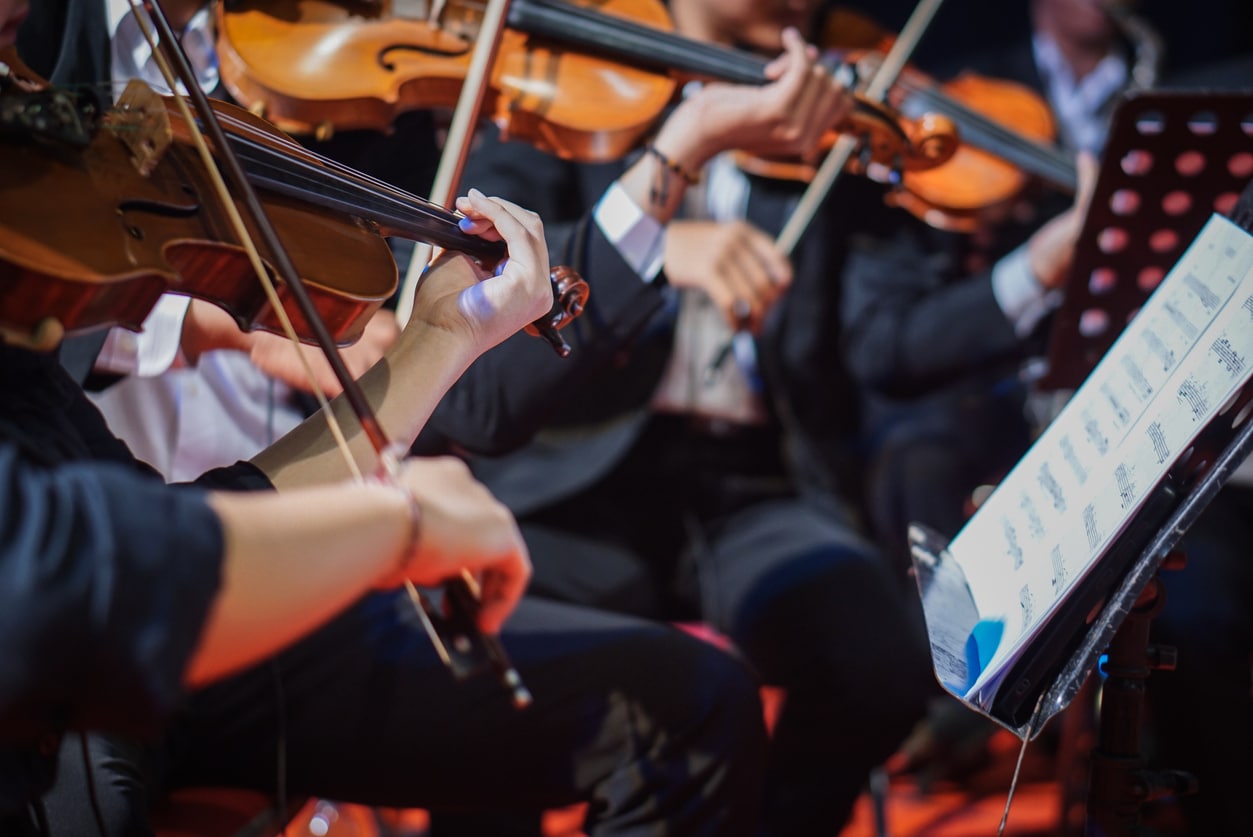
1119, 785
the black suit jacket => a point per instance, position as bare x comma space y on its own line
918, 319
578, 416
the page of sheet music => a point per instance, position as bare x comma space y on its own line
1177, 364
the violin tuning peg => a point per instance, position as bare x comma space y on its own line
554, 338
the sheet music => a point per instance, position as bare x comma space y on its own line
1177, 364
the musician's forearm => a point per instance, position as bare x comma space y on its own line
402, 389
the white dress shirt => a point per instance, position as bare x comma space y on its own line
691, 384
1082, 105
1082, 109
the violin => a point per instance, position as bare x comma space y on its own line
580, 81
1006, 132
113, 179
141, 222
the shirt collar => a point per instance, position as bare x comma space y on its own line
132, 58
1081, 106
1107, 78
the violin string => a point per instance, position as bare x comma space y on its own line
328, 164
244, 129
733, 64
646, 44
282, 174
357, 190
638, 42
246, 242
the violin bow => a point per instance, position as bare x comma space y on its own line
457, 144
837, 158
460, 595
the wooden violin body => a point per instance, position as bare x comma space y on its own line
583, 80
94, 229
319, 65
1006, 129
106, 255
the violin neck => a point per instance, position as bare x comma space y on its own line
665, 52
634, 43
322, 182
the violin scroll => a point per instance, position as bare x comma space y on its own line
887, 146
29, 107
570, 292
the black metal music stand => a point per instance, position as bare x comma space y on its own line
1172, 159
1121, 588
1119, 784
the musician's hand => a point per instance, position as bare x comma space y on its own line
1052, 248
208, 327
277, 356
787, 116
464, 527
737, 265
454, 294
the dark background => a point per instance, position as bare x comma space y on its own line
1195, 32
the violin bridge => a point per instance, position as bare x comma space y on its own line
140, 120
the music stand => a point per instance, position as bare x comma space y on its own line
1202, 403
1171, 159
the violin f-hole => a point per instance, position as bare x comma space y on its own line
387, 64
140, 206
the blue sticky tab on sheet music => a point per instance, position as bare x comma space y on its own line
982, 643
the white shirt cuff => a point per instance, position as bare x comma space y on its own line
151, 351
1019, 294
637, 236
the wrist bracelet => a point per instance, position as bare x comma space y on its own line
688, 177
659, 194
387, 476
415, 525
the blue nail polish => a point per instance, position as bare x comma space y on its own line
500, 268
465, 224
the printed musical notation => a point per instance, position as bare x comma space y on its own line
1177, 366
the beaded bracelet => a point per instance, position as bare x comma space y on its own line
660, 191
691, 179
415, 523
386, 475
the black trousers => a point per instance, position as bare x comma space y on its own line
692, 526
661, 733
927, 456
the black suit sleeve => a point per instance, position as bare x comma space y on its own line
106, 577
511, 391
908, 327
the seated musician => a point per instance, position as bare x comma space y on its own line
668, 485
121, 592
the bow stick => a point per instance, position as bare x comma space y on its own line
460, 130
876, 90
